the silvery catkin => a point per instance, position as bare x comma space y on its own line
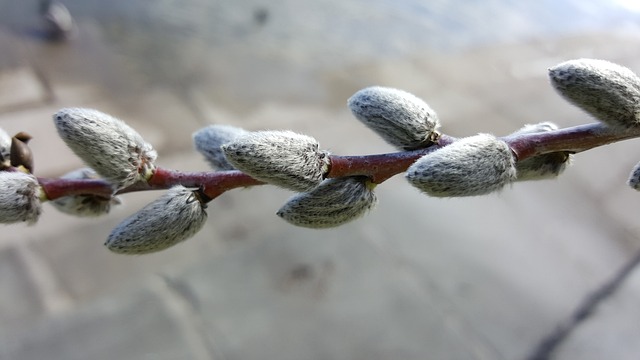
400, 118
5, 146
174, 217
546, 166
475, 165
19, 197
608, 91
634, 178
334, 202
84, 205
108, 145
209, 140
281, 158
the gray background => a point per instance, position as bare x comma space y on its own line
418, 278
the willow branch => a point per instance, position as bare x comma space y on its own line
379, 167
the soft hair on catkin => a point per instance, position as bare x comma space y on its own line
608, 91
400, 118
547, 166
209, 140
19, 198
174, 217
108, 145
475, 165
332, 203
281, 158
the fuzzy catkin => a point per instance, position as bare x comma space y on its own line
281, 158
174, 217
634, 178
108, 145
471, 166
333, 203
19, 198
400, 118
608, 91
84, 205
209, 140
5, 146
545, 166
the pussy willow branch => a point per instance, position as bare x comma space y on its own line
378, 167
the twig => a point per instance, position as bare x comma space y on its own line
378, 167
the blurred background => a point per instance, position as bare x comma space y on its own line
503, 276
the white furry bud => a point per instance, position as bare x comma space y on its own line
333, 203
400, 118
281, 158
19, 198
608, 91
208, 142
84, 205
170, 219
475, 165
545, 166
108, 145
634, 178
5, 146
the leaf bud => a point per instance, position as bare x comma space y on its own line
281, 158
209, 140
172, 218
108, 145
19, 197
400, 118
333, 203
471, 166
608, 91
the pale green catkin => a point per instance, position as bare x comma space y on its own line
172, 218
209, 140
547, 166
108, 145
400, 118
608, 91
281, 158
333, 203
19, 198
471, 166
84, 205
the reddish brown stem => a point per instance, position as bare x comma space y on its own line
573, 139
383, 166
57, 188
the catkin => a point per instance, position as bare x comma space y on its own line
174, 217
108, 145
471, 166
281, 158
608, 91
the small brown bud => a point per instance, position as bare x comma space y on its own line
20, 152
